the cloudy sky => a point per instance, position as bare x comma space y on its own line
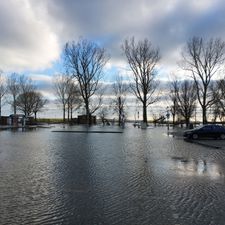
33, 32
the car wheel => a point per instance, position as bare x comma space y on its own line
222, 136
195, 136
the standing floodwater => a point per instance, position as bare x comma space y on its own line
134, 178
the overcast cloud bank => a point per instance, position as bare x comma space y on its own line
33, 32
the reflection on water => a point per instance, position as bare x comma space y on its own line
196, 167
122, 179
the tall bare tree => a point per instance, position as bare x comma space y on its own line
119, 90
174, 100
39, 103
13, 89
2, 90
186, 96
103, 112
61, 87
85, 61
203, 58
74, 100
142, 59
217, 112
218, 89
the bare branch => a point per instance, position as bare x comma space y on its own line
142, 59
203, 59
85, 61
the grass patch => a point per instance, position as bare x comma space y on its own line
49, 120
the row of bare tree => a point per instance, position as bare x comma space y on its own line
201, 61
84, 64
67, 95
20, 92
184, 98
70, 98
81, 86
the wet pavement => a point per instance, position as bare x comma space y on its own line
136, 177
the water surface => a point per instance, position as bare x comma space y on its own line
135, 178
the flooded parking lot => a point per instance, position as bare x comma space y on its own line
136, 177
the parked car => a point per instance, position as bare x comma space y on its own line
206, 131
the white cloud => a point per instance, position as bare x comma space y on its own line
33, 32
26, 41
41, 77
44, 84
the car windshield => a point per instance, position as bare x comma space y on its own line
199, 127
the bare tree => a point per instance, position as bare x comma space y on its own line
74, 100
39, 103
174, 100
218, 89
119, 90
217, 112
26, 84
25, 102
30, 102
61, 86
203, 59
142, 59
2, 90
186, 98
25, 99
85, 61
13, 89
103, 112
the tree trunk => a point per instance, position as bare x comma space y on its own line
35, 116
89, 119
71, 113
120, 111
173, 119
187, 122
14, 105
144, 113
0, 108
204, 115
88, 116
68, 113
120, 118
64, 113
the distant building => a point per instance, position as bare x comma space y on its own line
4, 120
16, 120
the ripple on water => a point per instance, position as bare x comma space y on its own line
138, 177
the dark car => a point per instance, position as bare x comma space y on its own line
206, 131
